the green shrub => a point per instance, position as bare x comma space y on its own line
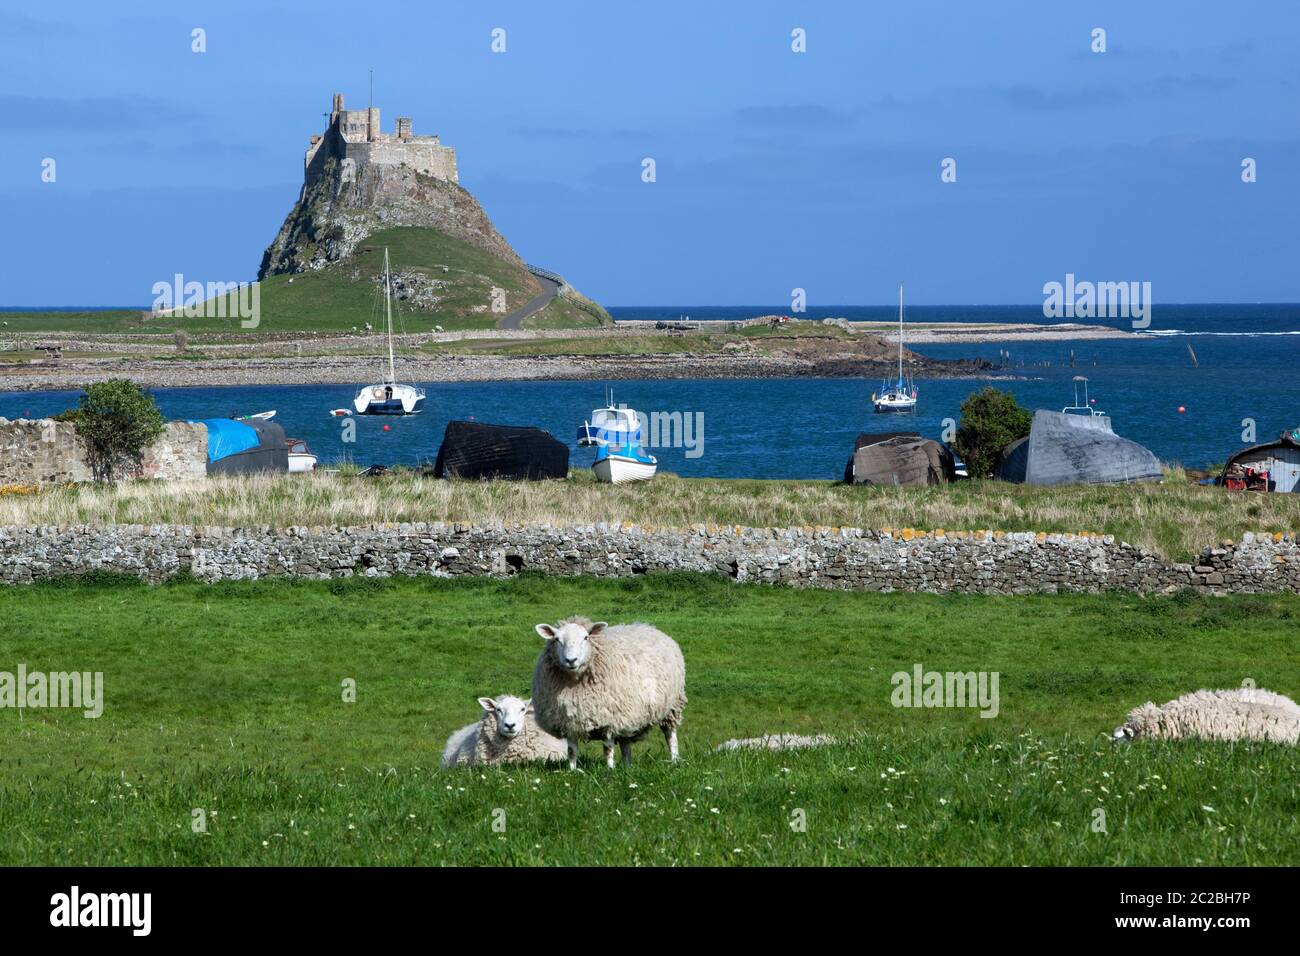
991, 419
117, 420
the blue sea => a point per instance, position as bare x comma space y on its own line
804, 428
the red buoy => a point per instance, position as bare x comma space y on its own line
386, 427
1181, 409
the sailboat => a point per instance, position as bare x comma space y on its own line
901, 395
389, 397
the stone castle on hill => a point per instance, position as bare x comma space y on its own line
353, 137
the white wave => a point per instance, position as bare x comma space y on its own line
1248, 335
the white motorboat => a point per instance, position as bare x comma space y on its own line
389, 397
615, 424
901, 395
615, 432
301, 458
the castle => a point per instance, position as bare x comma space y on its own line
354, 135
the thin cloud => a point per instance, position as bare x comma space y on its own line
92, 113
800, 116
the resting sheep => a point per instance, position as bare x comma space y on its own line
776, 742
612, 684
507, 733
1242, 714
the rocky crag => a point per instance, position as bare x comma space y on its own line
345, 203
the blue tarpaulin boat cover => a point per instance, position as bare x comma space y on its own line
228, 437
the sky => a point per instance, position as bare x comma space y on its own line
774, 169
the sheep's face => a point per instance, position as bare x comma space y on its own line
569, 644
1123, 735
509, 712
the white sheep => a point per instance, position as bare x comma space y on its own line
507, 733
612, 684
1242, 714
776, 742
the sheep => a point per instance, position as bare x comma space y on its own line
776, 742
612, 684
1241, 714
507, 733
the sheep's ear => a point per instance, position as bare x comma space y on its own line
488, 704
546, 631
528, 706
596, 628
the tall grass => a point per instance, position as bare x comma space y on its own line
1174, 519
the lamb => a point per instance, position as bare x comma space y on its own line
1241, 714
612, 684
507, 733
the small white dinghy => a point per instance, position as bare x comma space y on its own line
613, 467
301, 458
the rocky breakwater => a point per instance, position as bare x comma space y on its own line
983, 562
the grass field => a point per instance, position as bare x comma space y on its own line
1175, 519
343, 295
227, 699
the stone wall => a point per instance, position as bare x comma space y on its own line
46, 452
850, 559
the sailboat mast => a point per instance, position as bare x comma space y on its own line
388, 309
900, 332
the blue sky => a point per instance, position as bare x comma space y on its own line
818, 170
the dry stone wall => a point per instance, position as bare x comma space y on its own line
848, 559
46, 452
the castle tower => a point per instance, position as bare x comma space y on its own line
356, 136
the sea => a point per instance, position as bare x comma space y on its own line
1242, 386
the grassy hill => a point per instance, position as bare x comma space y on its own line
425, 263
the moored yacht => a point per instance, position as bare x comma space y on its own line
901, 395
389, 397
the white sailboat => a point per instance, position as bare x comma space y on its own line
901, 395
389, 397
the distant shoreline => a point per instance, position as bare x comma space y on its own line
631, 350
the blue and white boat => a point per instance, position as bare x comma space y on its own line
901, 395
615, 432
389, 397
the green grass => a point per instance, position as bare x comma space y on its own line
113, 320
342, 295
227, 698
